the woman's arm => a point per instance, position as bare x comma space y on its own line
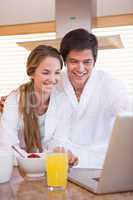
9, 121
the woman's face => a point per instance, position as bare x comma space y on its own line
46, 75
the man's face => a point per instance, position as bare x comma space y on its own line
79, 67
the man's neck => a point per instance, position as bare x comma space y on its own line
78, 92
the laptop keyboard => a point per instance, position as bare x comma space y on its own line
96, 179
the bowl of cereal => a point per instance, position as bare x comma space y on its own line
32, 165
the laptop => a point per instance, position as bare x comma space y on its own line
117, 172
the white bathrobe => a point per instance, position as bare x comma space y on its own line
85, 127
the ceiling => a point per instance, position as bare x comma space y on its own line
22, 12
31, 11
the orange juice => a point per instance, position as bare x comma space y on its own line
57, 169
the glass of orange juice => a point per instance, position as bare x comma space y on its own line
57, 170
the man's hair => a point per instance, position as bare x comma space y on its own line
78, 39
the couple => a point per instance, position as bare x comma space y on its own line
74, 109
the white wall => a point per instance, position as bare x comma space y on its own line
114, 7
26, 11
30, 11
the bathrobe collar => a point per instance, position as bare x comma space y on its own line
90, 86
62, 98
53, 114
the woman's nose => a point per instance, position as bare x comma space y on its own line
52, 79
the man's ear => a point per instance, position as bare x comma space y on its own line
65, 64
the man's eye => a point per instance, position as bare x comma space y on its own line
74, 61
57, 72
87, 61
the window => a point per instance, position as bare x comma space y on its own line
13, 60
118, 62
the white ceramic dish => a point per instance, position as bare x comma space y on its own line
32, 167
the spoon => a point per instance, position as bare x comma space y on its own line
18, 151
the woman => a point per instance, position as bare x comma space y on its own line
22, 122
23, 119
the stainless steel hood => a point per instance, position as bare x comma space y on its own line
72, 14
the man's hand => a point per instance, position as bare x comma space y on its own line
2, 100
72, 159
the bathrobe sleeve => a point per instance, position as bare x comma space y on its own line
9, 121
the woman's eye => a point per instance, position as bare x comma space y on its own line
45, 72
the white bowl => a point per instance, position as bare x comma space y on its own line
32, 167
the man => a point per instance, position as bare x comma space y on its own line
85, 103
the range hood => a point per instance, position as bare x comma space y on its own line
72, 14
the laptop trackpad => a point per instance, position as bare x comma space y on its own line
88, 178
84, 173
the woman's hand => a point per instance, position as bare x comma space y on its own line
72, 159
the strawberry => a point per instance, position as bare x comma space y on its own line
33, 155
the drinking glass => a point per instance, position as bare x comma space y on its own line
57, 170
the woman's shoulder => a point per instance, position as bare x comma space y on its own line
11, 105
13, 96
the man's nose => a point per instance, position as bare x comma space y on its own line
81, 67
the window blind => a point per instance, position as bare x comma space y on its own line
13, 60
118, 62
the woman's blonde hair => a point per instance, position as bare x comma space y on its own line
27, 100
